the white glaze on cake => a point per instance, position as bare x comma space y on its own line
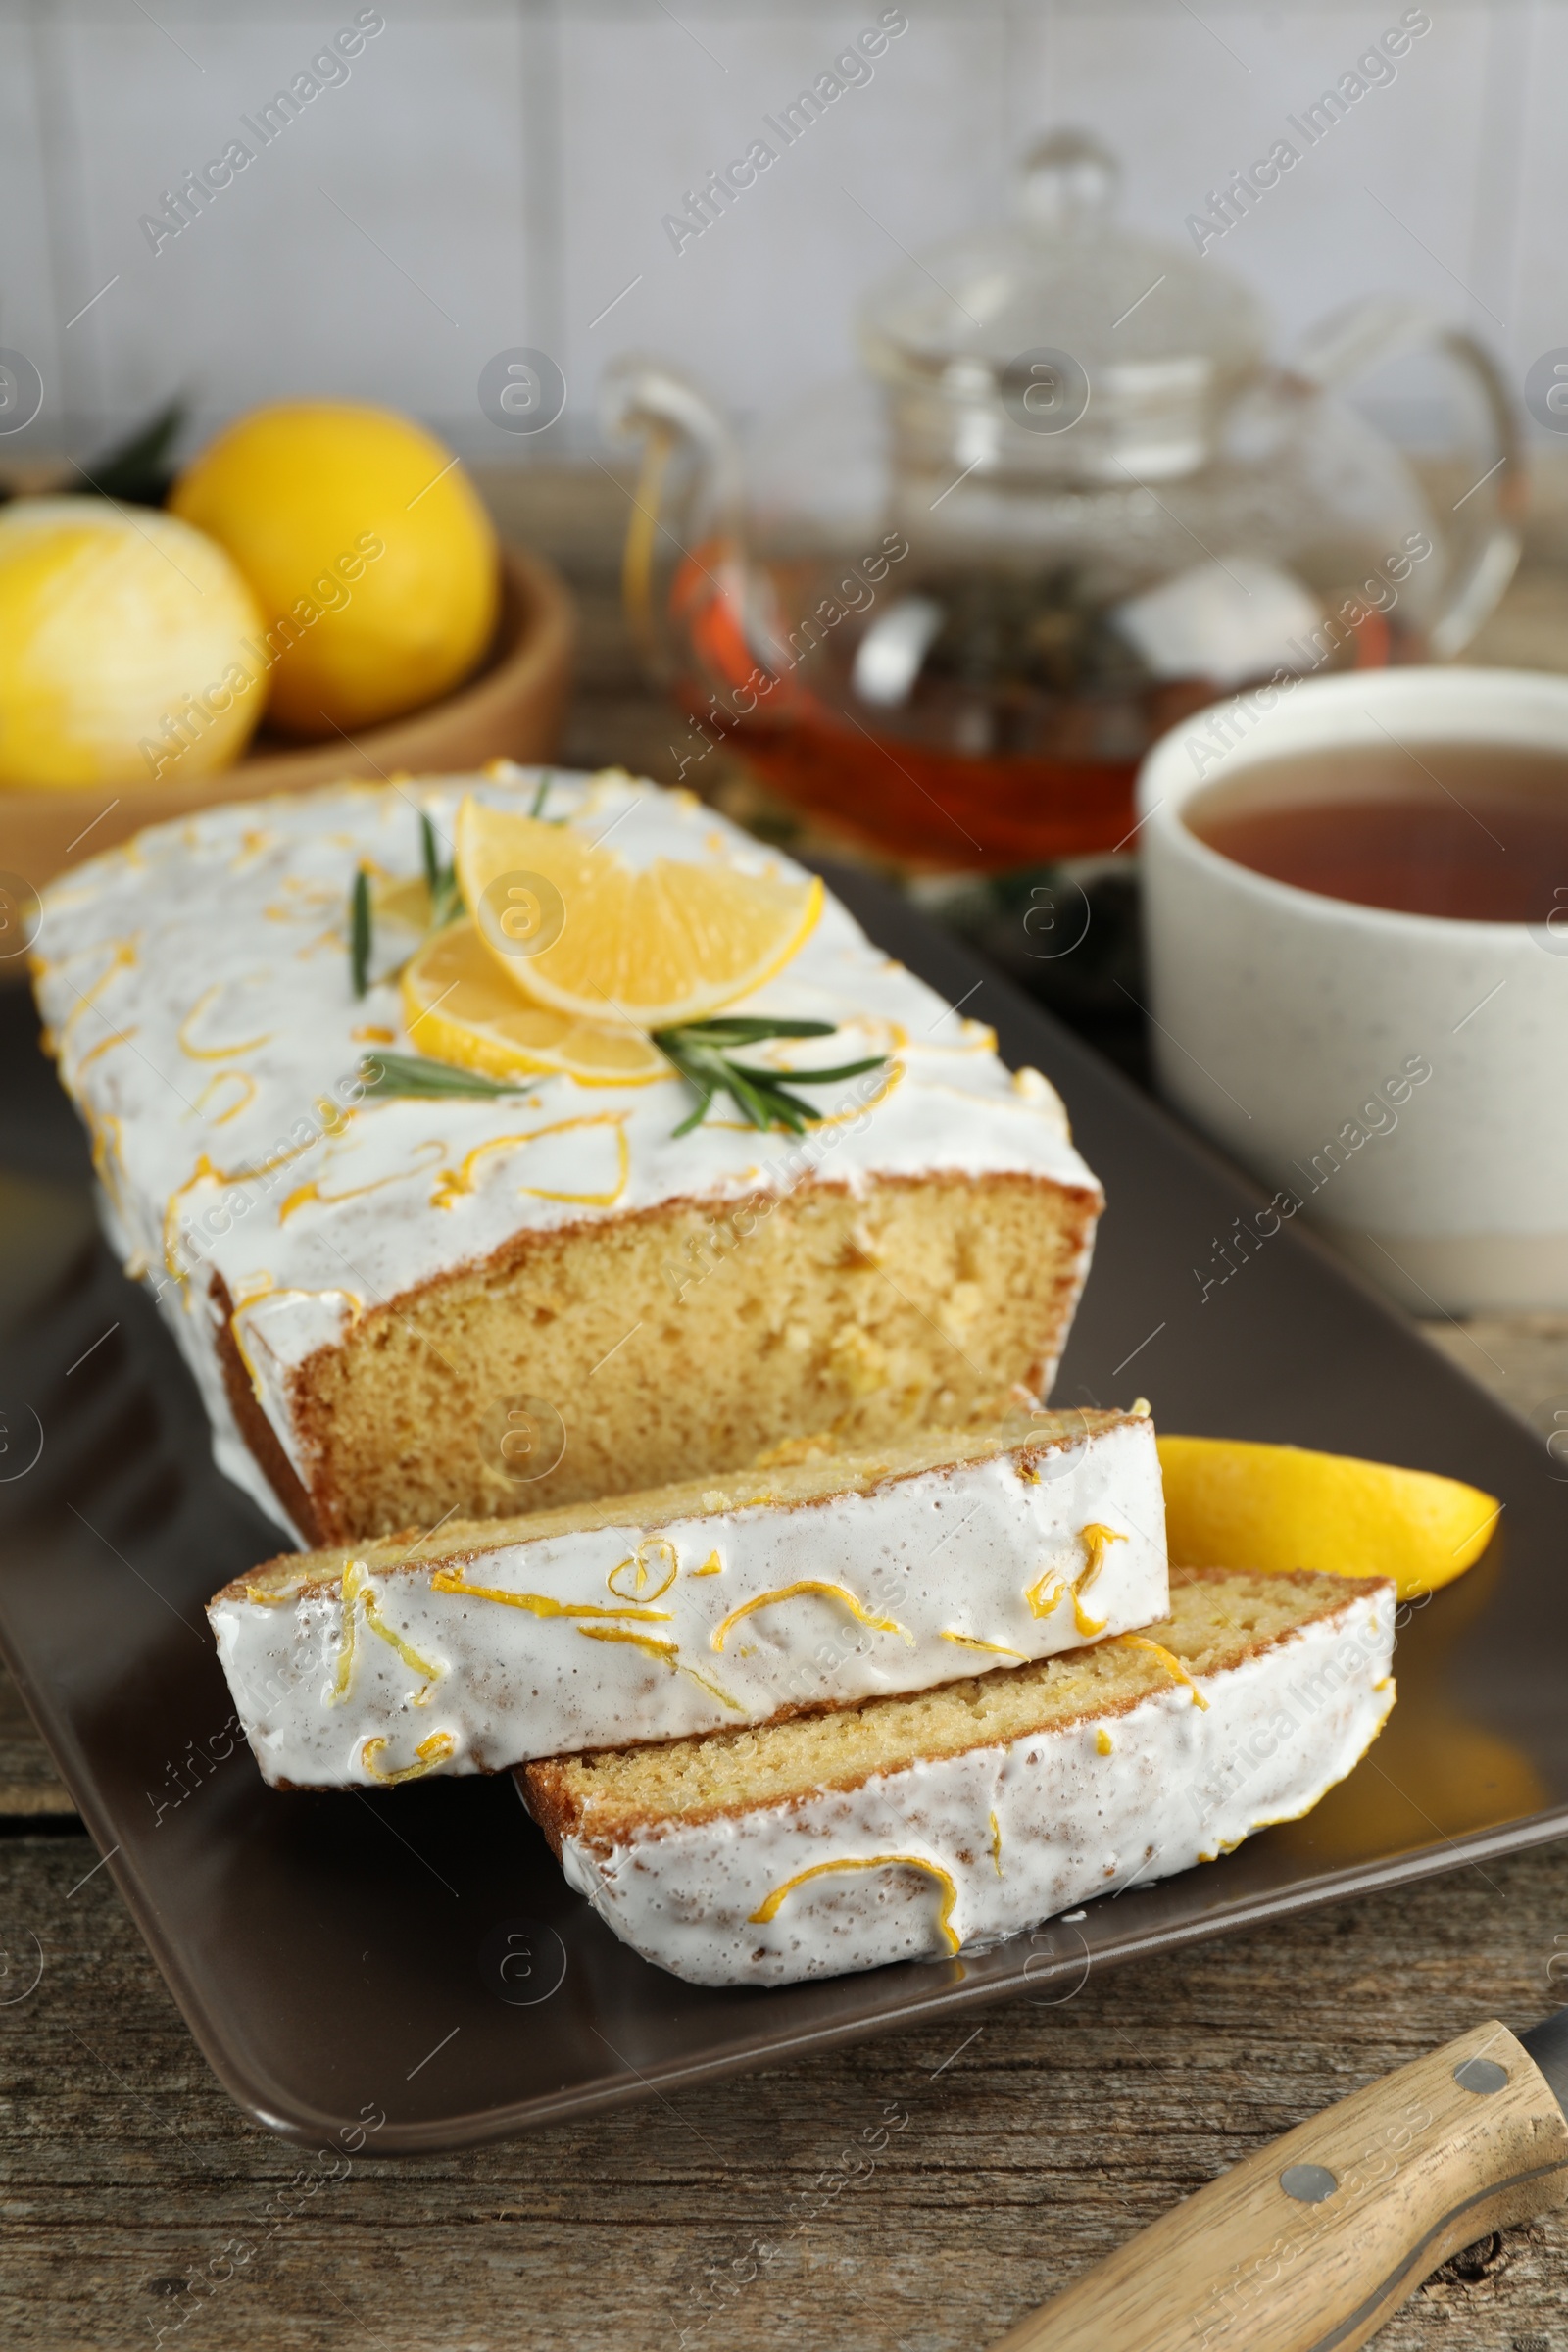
930, 1579
197, 986
1017, 1831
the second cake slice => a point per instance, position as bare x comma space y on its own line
808, 1584
913, 1828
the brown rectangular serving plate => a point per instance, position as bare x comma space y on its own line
417, 1954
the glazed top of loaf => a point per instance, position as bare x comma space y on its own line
198, 988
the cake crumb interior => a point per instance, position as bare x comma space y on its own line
684, 1341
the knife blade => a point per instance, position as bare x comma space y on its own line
1310, 2244
1548, 2044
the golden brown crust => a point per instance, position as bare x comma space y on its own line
256, 1428
543, 1790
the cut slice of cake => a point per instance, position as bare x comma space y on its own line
810, 1582
910, 1827
400, 1307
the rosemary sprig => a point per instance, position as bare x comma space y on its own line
359, 932
388, 1074
440, 880
701, 1051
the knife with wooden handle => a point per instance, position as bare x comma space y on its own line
1311, 2244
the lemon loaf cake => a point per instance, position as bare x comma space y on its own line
564, 1265
912, 1828
809, 1583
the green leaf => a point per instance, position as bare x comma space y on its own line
701, 1050
763, 1098
389, 1074
748, 1031
359, 932
441, 881
841, 1069
139, 472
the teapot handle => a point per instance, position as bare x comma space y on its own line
643, 398
1381, 327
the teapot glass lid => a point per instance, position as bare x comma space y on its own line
1065, 275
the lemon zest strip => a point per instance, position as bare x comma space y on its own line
1096, 1540
715, 1690
121, 960
430, 1146
615, 1119
539, 1604
809, 1583
245, 1045
969, 1642
455, 1182
204, 1172
1171, 1663
637, 1562
712, 1566
669, 1651
1042, 1595
254, 842
410, 1656
768, 1910
115, 1036
358, 1588
240, 1078
430, 1752
352, 1576
995, 1844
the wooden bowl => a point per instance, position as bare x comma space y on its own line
510, 709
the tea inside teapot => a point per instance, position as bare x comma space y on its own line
951, 604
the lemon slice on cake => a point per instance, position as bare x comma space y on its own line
405, 903
460, 1009
1231, 1504
577, 930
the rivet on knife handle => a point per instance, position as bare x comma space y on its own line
1314, 2241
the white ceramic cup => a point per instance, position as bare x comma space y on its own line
1401, 1078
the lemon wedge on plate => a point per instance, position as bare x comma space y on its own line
579, 931
1229, 1504
461, 1009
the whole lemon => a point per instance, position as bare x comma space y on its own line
373, 562
123, 648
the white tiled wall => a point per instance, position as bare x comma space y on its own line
495, 172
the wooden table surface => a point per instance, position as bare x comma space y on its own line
138, 2208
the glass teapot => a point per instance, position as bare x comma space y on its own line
950, 605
